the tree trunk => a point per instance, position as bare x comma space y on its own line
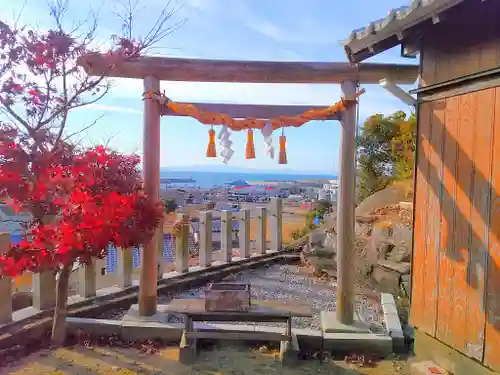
61, 308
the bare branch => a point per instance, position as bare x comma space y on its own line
18, 17
127, 17
86, 128
160, 29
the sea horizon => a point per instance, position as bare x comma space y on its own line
208, 179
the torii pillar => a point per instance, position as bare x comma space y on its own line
345, 209
151, 170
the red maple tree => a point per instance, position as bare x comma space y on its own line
81, 200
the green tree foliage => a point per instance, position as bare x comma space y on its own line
170, 205
386, 147
322, 207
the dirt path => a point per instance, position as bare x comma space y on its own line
220, 360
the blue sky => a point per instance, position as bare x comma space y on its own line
241, 30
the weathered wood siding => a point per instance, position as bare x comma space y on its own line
456, 271
466, 41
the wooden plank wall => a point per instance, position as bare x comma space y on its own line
492, 348
465, 42
456, 271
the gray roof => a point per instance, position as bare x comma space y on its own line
388, 32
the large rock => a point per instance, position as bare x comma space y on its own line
316, 237
323, 265
383, 249
362, 229
402, 268
402, 234
393, 194
381, 234
330, 240
387, 279
322, 252
330, 221
322, 243
400, 253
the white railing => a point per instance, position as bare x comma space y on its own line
43, 285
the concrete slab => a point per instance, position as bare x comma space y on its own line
357, 342
224, 327
308, 338
330, 324
140, 330
387, 298
24, 313
133, 315
392, 322
95, 326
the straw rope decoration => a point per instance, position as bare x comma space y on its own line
265, 126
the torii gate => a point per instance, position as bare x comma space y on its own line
153, 69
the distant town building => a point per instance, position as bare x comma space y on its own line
324, 195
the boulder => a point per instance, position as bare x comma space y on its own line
406, 206
406, 284
391, 195
316, 237
323, 252
402, 234
381, 233
398, 254
330, 221
383, 249
330, 240
363, 229
403, 268
387, 279
322, 243
323, 265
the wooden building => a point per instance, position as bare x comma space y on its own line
455, 299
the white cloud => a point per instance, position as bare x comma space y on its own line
109, 108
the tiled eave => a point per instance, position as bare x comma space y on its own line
399, 24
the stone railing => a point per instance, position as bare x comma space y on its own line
88, 278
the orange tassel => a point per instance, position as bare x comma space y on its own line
250, 147
211, 153
282, 155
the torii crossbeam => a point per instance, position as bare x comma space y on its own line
153, 69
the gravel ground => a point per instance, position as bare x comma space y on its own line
287, 282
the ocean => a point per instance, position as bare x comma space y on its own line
210, 179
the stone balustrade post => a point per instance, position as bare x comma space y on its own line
44, 290
161, 247
226, 235
276, 223
125, 264
87, 279
206, 228
244, 234
260, 236
182, 245
5, 285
